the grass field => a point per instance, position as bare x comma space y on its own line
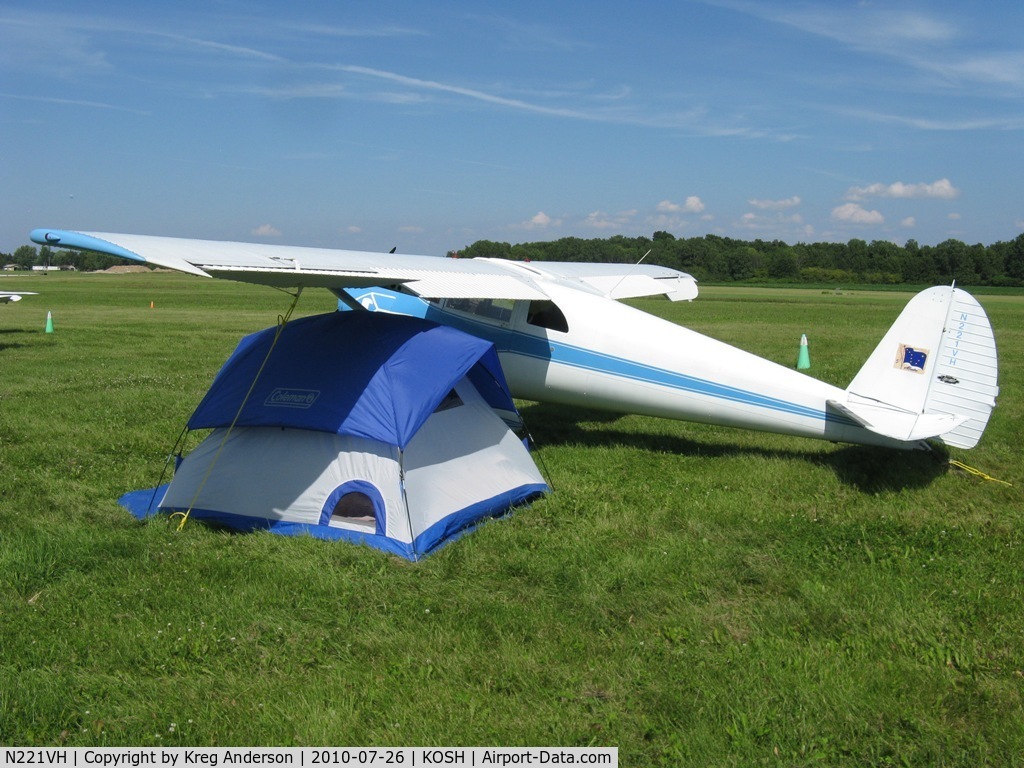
693, 595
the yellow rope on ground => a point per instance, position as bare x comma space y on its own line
977, 472
282, 321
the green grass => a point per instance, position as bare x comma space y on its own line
690, 594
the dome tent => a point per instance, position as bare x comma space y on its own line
381, 429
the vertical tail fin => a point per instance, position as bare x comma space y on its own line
934, 374
966, 378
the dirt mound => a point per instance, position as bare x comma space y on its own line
119, 269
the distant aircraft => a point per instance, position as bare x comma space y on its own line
563, 337
7, 298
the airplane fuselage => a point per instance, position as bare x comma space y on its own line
583, 349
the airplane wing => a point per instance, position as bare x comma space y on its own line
429, 277
623, 281
284, 266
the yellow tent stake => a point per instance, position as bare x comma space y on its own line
977, 472
281, 323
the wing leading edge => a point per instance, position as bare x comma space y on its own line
430, 277
292, 267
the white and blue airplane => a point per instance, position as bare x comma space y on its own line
564, 337
9, 298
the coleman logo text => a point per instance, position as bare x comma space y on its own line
292, 398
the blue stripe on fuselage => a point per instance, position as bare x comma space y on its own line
508, 341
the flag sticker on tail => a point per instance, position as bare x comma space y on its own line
911, 359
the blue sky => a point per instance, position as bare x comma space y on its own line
428, 126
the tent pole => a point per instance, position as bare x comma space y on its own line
405, 501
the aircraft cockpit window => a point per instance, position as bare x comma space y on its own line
492, 309
545, 314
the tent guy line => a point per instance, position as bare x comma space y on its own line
281, 323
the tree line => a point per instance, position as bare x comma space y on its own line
719, 259
28, 256
725, 259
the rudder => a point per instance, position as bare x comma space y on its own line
938, 359
966, 377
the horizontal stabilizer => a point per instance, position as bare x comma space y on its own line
897, 424
934, 374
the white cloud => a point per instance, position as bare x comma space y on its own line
855, 214
926, 41
776, 224
943, 123
942, 189
954, 217
908, 222
540, 220
881, 29
266, 230
599, 220
602, 220
411, 229
693, 204
72, 102
353, 229
776, 205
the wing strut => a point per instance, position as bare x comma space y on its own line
348, 299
